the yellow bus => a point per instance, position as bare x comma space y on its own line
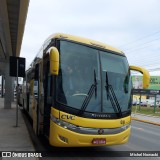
78, 92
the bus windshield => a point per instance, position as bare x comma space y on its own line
81, 83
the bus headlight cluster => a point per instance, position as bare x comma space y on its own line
126, 126
62, 123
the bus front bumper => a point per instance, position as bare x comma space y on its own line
62, 137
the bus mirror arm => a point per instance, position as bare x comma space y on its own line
146, 76
54, 61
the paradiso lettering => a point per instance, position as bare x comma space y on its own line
71, 117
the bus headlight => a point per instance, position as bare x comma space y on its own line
126, 126
63, 123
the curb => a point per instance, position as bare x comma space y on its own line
144, 121
145, 115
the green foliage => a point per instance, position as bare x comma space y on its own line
146, 110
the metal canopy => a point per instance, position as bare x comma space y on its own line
13, 15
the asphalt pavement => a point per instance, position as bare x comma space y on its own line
144, 139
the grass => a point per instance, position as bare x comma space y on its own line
146, 110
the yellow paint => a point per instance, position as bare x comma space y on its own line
84, 41
80, 140
77, 139
54, 61
94, 123
31, 86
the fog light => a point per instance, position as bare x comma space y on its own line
64, 139
125, 137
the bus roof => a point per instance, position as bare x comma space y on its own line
85, 41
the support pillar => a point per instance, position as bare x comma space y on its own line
2, 87
8, 88
13, 87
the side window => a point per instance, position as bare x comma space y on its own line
35, 88
30, 77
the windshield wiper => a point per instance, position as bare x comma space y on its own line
112, 97
92, 89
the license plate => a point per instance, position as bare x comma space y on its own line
99, 141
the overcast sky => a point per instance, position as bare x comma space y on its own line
132, 26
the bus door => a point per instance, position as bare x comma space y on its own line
35, 108
47, 85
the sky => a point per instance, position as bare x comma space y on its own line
132, 26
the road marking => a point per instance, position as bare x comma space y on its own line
137, 128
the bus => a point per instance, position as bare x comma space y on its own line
78, 92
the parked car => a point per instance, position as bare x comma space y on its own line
134, 103
144, 104
157, 104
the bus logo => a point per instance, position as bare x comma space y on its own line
100, 131
71, 117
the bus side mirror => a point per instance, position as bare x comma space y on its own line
146, 76
54, 61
